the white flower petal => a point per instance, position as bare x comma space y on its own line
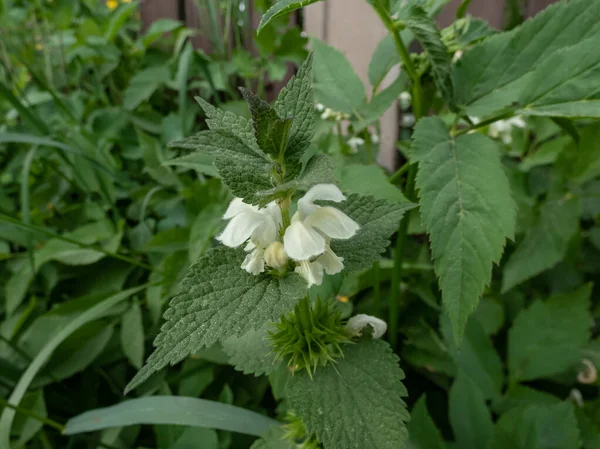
331, 262
325, 192
311, 271
357, 323
333, 223
302, 242
266, 233
236, 207
254, 263
274, 212
240, 228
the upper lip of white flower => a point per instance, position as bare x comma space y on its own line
312, 225
246, 222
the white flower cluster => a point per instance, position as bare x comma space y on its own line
305, 241
330, 114
502, 129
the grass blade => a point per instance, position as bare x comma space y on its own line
176, 410
7, 417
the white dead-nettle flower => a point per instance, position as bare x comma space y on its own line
457, 56
307, 238
405, 99
588, 374
374, 138
319, 107
354, 143
357, 323
503, 129
256, 227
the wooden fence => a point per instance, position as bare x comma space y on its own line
352, 27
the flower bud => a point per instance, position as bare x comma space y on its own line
275, 255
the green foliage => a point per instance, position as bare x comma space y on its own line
425, 30
497, 72
218, 300
537, 427
422, 430
544, 243
337, 86
105, 227
344, 400
378, 219
467, 216
172, 410
470, 419
548, 337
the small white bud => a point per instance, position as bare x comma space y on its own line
357, 323
327, 113
408, 120
405, 99
354, 143
374, 138
275, 255
319, 107
457, 56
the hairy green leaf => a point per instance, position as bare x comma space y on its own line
355, 403
428, 34
545, 242
469, 416
495, 73
270, 130
549, 337
217, 300
280, 8
220, 120
378, 220
422, 430
252, 353
245, 170
537, 427
296, 100
337, 85
468, 216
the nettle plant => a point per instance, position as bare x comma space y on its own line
291, 227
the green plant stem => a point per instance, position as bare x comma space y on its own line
398, 173
23, 411
401, 241
377, 289
486, 122
417, 96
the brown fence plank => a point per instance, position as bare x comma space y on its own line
198, 18
535, 6
490, 10
151, 10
